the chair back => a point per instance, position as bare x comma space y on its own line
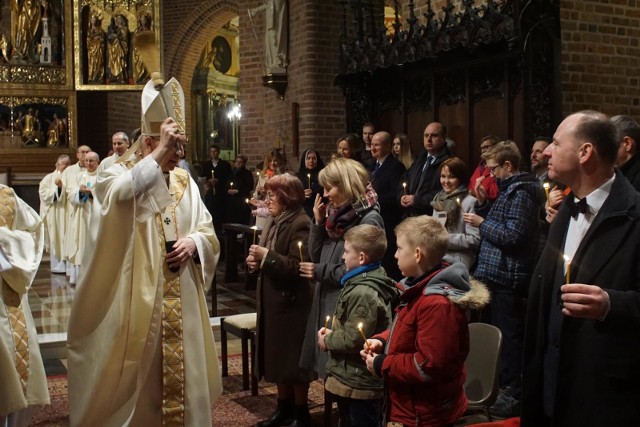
483, 365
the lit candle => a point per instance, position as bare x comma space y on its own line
300, 249
246, 201
231, 185
404, 188
458, 202
568, 268
362, 333
255, 229
309, 180
213, 174
326, 322
546, 190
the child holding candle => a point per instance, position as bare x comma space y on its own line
421, 356
364, 308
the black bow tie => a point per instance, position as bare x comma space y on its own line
578, 207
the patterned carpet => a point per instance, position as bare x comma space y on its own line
234, 408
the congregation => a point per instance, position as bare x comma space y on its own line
374, 262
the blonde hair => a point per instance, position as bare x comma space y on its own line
369, 239
504, 151
347, 175
405, 156
427, 233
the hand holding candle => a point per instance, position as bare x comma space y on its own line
568, 268
363, 336
255, 229
546, 190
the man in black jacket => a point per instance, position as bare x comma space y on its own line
423, 177
218, 175
628, 136
582, 350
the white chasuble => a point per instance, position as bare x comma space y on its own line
121, 344
22, 378
52, 213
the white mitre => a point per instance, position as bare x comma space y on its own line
158, 105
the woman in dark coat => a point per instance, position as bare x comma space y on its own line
310, 166
284, 300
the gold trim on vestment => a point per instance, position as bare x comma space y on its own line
11, 298
173, 379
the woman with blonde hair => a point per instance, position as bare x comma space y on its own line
349, 200
402, 149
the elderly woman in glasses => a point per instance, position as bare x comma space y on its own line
283, 299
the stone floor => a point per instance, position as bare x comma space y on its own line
51, 295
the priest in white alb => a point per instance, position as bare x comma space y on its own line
23, 385
70, 178
140, 347
52, 211
85, 214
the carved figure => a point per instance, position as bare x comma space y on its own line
29, 132
140, 73
276, 34
118, 53
25, 20
95, 51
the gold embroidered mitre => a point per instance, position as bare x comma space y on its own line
158, 105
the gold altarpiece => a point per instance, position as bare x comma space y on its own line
45, 48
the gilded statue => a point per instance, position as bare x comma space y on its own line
140, 73
56, 135
276, 34
118, 49
25, 21
29, 129
95, 51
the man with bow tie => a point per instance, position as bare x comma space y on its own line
582, 347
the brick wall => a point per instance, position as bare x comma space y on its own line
600, 65
314, 28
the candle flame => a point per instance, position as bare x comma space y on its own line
299, 244
404, 184
360, 325
546, 185
566, 258
255, 227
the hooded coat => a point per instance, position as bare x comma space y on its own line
426, 347
369, 298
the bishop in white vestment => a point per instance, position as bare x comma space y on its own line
140, 347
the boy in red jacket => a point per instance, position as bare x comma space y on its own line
421, 357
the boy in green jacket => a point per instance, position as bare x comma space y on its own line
364, 308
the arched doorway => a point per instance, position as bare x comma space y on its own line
214, 94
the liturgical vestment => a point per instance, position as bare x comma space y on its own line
22, 378
140, 347
52, 212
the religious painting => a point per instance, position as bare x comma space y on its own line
30, 122
34, 48
104, 31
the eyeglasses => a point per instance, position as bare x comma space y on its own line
492, 169
484, 147
271, 197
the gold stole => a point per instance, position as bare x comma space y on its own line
173, 381
11, 298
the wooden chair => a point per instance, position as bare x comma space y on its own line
243, 326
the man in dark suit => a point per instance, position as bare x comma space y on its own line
628, 160
582, 350
423, 177
239, 191
386, 175
218, 175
